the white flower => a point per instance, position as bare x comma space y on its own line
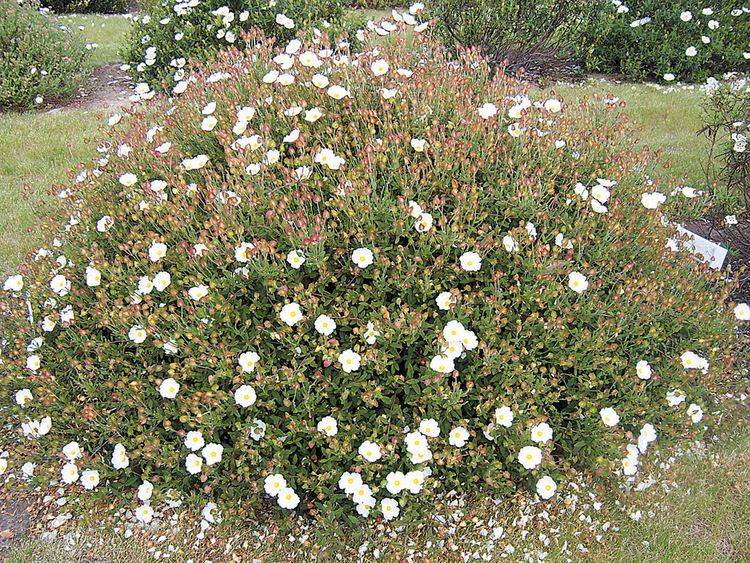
349, 360
128, 180
144, 513
429, 427
691, 51
60, 285
337, 92
241, 252
194, 441
161, 281
291, 314
686, 16
72, 451
442, 364
325, 325
395, 482
418, 144
195, 163
212, 453
169, 388
273, 484
609, 416
370, 451
695, 413
546, 487
643, 369
193, 464
652, 200
379, 67
510, 244
458, 437
742, 312
424, 223
362, 257
120, 457
675, 397
69, 473
415, 442
530, 457
137, 334
90, 479
23, 396
157, 251
553, 105
691, 360
445, 300
198, 292
329, 159
257, 430
504, 416
414, 481
328, 426
541, 433
245, 396
209, 123
145, 490
295, 259
470, 261
13, 283
350, 482
248, 361
93, 277
487, 110
577, 282
389, 508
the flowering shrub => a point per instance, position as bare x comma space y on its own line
353, 281
727, 117
39, 60
534, 36
171, 33
667, 40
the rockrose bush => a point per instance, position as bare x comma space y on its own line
665, 40
39, 60
352, 282
171, 33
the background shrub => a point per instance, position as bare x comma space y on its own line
173, 32
535, 36
88, 6
38, 58
247, 169
648, 39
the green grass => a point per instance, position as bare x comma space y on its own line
36, 149
108, 32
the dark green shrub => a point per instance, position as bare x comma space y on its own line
536, 36
649, 39
171, 33
498, 289
88, 6
38, 60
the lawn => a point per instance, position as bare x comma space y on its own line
705, 517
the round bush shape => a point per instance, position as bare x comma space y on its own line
40, 60
171, 33
356, 282
666, 40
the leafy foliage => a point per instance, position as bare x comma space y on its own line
535, 36
647, 39
398, 196
87, 6
171, 33
39, 60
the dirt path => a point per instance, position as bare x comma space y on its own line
108, 87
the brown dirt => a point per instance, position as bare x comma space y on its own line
15, 521
108, 87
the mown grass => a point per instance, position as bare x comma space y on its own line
108, 32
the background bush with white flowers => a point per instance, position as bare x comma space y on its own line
171, 33
665, 40
353, 282
39, 60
